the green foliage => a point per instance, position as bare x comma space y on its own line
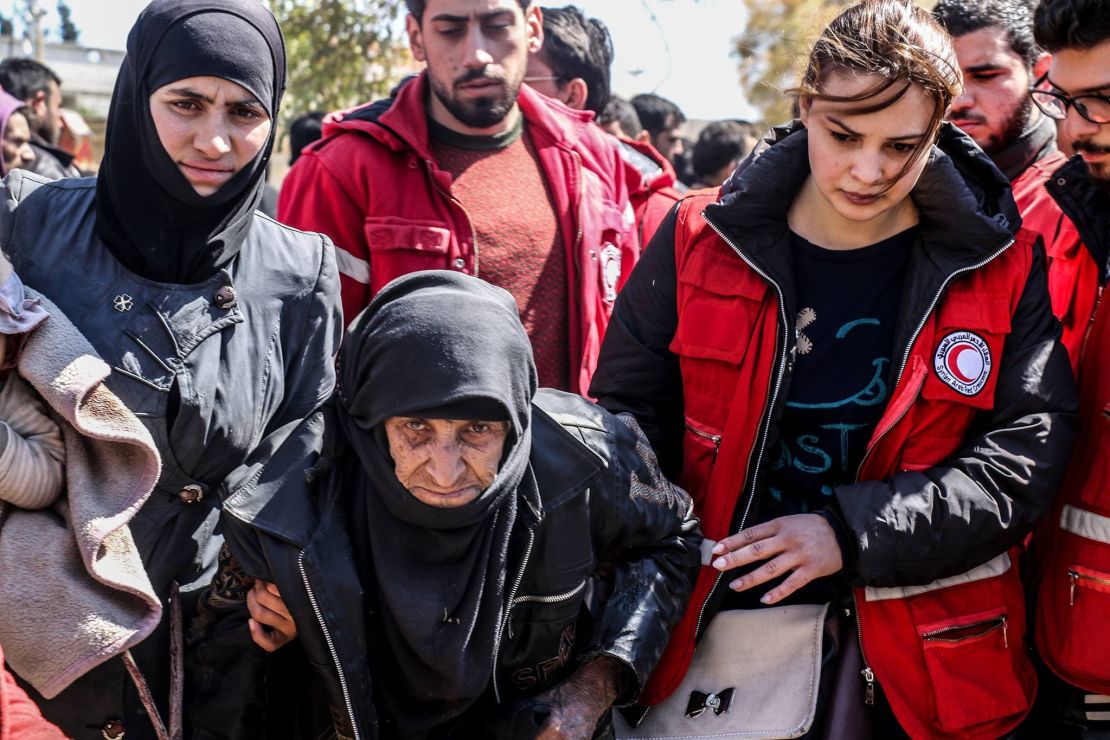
341, 52
773, 50
68, 32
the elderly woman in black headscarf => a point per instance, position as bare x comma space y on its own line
220, 325
442, 567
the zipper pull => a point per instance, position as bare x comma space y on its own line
1074, 578
869, 690
1005, 632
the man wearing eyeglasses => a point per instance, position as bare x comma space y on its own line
1073, 549
1000, 61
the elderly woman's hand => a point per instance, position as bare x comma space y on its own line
271, 624
578, 703
802, 547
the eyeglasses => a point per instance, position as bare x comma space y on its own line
1094, 108
541, 79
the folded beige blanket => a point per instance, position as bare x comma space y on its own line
73, 590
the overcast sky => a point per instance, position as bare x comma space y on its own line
680, 49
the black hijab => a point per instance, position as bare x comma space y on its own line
147, 213
437, 344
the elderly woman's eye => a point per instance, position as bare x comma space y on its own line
415, 425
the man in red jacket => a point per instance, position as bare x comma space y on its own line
1073, 556
466, 169
1001, 62
573, 67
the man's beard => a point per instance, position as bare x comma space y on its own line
480, 112
1098, 173
1016, 125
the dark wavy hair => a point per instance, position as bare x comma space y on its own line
577, 46
416, 7
1013, 17
1071, 24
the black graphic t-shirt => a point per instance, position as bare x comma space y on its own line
848, 303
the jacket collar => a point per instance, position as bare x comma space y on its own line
1033, 145
1088, 207
966, 206
401, 122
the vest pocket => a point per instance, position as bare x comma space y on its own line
1074, 600
700, 446
967, 349
971, 669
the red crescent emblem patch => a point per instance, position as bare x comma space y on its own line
963, 362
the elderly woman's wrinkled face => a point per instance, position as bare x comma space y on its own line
16, 144
210, 127
445, 462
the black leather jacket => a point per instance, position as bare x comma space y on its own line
601, 497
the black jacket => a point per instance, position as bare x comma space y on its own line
600, 498
1003, 478
1088, 207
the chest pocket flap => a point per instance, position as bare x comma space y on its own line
719, 303
967, 348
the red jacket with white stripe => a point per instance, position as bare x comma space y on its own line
1073, 548
958, 469
372, 185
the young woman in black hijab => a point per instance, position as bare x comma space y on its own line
220, 325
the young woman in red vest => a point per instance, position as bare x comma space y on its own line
847, 355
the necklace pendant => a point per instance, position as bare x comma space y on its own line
123, 302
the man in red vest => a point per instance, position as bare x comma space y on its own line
1001, 61
1073, 597
467, 169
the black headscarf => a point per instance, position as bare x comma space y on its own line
436, 344
147, 213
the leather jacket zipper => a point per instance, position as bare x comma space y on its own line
552, 599
331, 646
509, 609
1076, 577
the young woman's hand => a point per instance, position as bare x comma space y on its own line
271, 624
803, 546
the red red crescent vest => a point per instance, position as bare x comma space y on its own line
1073, 599
949, 655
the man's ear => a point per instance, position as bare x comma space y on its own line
575, 94
416, 39
1040, 67
38, 104
533, 24
644, 137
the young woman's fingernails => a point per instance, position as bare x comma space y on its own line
719, 563
765, 598
718, 548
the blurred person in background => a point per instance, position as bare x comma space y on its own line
40, 90
663, 121
719, 148
619, 118
305, 129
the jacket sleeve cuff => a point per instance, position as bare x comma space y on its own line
849, 552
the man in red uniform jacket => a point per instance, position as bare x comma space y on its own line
1073, 556
1001, 61
466, 169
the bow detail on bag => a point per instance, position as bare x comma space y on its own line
699, 701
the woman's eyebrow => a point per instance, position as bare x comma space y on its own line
838, 122
187, 92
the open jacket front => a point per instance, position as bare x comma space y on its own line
296, 533
701, 351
